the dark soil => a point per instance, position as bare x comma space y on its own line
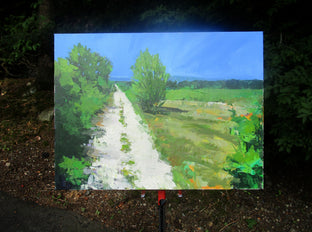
27, 173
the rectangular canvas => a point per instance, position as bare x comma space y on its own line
159, 110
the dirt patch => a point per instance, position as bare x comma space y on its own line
99, 124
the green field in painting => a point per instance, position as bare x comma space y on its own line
246, 98
193, 132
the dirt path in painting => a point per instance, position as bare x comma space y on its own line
125, 155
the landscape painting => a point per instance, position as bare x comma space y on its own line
159, 111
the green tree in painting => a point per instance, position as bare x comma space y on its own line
81, 87
91, 66
149, 81
81, 90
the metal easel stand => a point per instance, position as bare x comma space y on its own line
161, 204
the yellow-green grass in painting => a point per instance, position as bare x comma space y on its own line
196, 148
194, 133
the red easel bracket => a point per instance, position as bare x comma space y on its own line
161, 195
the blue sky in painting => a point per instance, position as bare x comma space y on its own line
195, 55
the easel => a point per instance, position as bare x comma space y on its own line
161, 204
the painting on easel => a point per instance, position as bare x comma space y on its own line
159, 110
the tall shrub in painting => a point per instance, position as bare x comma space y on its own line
149, 81
81, 90
94, 68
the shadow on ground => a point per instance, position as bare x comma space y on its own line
18, 215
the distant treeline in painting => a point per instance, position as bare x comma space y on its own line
209, 133
200, 84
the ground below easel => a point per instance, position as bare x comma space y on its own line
27, 172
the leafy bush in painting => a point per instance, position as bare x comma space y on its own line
149, 81
246, 164
81, 90
73, 168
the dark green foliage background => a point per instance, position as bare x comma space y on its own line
287, 49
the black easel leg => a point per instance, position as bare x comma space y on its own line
162, 215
